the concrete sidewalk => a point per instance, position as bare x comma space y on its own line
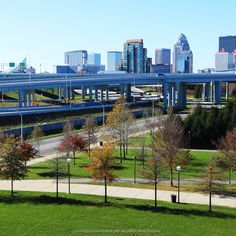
148, 194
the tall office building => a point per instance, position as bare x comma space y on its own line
134, 58
182, 56
227, 43
224, 60
94, 59
113, 58
162, 56
76, 58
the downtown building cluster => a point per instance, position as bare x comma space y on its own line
133, 59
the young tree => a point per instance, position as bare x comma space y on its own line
210, 183
57, 169
168, 140
153, 172
36, 135
227, 147
89, 127
13, 165
119, 123
142, 149
72, 143
68, 128
26, 151
101, 164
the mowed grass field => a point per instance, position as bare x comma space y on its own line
37, 214
125, 170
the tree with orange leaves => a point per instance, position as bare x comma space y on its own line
101, 164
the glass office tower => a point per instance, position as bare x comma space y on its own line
182, 56
227, 43
113, 58
134, 58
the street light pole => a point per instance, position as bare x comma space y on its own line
178, 168
68, 162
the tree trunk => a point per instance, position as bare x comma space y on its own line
74, 157
12, 187
229, 176
171, 177
155, 194
89, 146
210, 200
126, 149
120, 153
124, 156
105, 182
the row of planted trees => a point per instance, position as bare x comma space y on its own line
168, 140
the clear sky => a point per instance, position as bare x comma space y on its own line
43, 30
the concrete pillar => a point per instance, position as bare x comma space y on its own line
170, 94
59, 93
101, 95
173, 95
128, 92
107, 94
20, 93
83, 91
181, 95
165, 87
96, 94
90, 94
65, 93
203, 92
226, 91
217, 89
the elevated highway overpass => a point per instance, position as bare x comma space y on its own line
173, 85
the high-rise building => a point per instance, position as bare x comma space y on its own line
134, 58
76, 58
162, 56
94, 59
182, 56
113, 58
227, 43
224, 60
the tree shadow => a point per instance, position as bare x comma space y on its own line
116, 203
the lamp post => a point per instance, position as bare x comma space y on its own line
68, 162
135, 169
103, 112
178, 168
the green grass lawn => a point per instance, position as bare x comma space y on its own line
124, 170
41, 214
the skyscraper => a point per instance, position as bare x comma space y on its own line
94, 59
113, 58
224, 60
162, 56
227, 43
76, 58
134, 58
182, 56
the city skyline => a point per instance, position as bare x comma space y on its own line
43, 31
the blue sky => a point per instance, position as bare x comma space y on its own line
43, 30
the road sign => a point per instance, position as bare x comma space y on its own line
12, 64
67, 100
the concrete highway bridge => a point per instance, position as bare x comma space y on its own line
173, 86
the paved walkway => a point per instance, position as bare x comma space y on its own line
49, 186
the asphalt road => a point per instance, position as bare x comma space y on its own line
48, 146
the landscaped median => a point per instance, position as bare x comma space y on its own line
35, 213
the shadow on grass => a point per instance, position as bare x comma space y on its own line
175, 209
